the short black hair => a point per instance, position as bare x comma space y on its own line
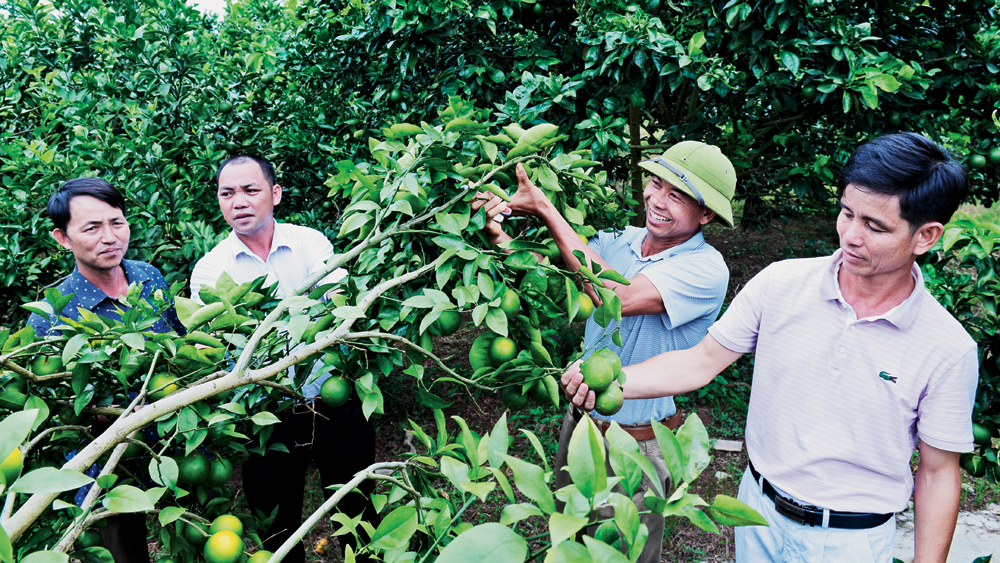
265, 166
94, 187
929, 183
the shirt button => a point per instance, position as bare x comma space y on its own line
840, 350
852, 328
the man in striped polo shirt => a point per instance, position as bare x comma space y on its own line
854, 361
677, 284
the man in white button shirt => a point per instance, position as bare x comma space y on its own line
340, 440
854, 362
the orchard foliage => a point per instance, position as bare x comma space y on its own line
416, 254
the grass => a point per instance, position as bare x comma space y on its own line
982, 213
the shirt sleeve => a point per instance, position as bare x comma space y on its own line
40, 324
738, 328
944, 413
690, 288
206, 272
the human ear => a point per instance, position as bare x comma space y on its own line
707, 215
61, 238
276, 194
927, 236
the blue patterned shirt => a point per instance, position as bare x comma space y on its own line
87, 296
691, 278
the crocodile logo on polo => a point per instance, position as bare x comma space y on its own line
885, 375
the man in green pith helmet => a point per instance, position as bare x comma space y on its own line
677, 284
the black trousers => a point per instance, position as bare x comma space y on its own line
125, 537
341, 442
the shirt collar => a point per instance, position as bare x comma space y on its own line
89, 295
280, 239
901, 316
690, 245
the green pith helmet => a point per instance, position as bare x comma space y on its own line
701, 171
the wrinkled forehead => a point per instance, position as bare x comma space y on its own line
84, 209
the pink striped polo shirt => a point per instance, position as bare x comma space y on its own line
837, 403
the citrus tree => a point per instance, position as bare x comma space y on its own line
417, 257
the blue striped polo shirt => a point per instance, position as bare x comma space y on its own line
691, 278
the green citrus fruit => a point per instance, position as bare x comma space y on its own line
895, 118
448, 323
538, 9
161, 385
833, 211
220, 473
135, 450
193, 469
227, 522
993, 157
611, 357
396, 96
973, 27
193, 535
225, 107
510, 303
513, 399
809, 92
261, 556
610, 401
67, 415
502, 350
12, 466
973, 464
20, 385
46, 365
597, 373
89, 538
166, 560
586, 308
335, 391
981, 435
539, 393
976, 161
223, 547
607, 533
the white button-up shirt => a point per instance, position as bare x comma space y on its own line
296, 254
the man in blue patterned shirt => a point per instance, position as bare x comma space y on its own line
89, 219
677, 284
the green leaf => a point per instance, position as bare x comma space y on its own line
697, 42
791, 61
14, 430
126, 498
46, 557
627, 461
585, 459
496, 320
537, 133
613, 276
134, 341
96, 554
732, 512
675, 457
463, 125
400, 130
73, 346
563, 526
164, 471
456, 471
568, 552
514, 513
530, 480
48, 480
485, 543
886, 82
498, 443
396, 529
693, 440
698, 518
169, 514
264, 419
6, 549
600, 551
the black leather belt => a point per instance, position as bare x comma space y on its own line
808, 515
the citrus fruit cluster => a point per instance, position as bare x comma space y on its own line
600, 371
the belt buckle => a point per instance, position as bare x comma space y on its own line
793, 511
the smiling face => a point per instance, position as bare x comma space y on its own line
877, 242
246, 199
96, 233
672, 216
